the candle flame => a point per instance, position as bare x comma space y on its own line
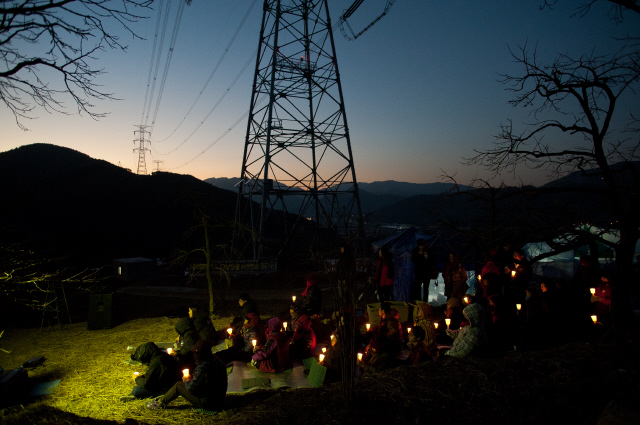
594, 318
321, 358
519, 307
408, 330
368, 326
324, 350
436, 325
293, 298
230, 331
359, 356
285, 325
185, 373
254, 342
593, 291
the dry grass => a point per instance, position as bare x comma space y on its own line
568, 384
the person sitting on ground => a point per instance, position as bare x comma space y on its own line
187, 336
332, 359
202, 323
304, 339
241, 343
311, 299
536, 328
419, 352
375, 358
205, 389
499, 329
384, 312
471, 339
162, 372
425, 322
247, 305
273, 357
454, 312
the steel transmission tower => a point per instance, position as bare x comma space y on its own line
141, 149
297, 153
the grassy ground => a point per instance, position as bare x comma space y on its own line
572, 383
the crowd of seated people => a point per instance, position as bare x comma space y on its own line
508, 310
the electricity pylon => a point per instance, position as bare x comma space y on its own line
142, 162
297, 154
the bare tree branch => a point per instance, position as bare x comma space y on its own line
39, 36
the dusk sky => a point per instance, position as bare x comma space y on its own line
420, 87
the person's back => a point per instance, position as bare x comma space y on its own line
304, 339
209, 383
162, 370
274, 356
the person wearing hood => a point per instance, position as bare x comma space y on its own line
424, 320
205, 389
162, 372
311, 299
273, 357
470, 339
241, 345
199, 317
304, 338
187, 336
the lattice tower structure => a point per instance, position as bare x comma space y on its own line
141, 149
297, 154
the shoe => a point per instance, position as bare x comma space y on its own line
126, 398
155, 404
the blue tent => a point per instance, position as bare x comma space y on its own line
400, 245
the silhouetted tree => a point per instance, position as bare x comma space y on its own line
46, 40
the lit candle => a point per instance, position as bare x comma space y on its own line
513, 273
360, 356
448, 322
436, 325
136, 373
479, 277
285, 325
466, 299
408, 330
254, 342
594, 318
593, 291
230, 331
368, 326
169, 351
519, 307
321, 358
331, 337
324, 350
185, 373
293, 298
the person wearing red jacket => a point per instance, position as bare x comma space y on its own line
384, 276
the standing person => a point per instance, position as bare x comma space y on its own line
602, 300
455, 278
205, 389
423, 270
385, 271
311, 299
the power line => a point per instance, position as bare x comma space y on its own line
215, 69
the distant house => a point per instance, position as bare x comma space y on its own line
135, 268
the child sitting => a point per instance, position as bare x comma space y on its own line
418, 349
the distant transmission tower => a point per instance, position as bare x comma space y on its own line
297, 154
141, 149
158, 165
